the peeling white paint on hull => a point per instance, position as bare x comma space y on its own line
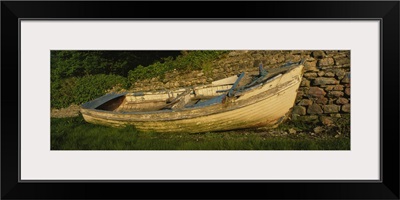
264, 106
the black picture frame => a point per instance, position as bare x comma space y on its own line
386, 11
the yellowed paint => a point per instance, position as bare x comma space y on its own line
264, 106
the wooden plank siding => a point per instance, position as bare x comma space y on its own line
265, 105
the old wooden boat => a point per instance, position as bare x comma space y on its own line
236, 102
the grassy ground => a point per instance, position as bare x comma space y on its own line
75, 134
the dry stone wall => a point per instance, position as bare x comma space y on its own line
324, 93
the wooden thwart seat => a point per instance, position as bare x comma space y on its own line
180, 101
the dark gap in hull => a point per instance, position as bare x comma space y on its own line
112, 105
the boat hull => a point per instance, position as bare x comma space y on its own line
266, 106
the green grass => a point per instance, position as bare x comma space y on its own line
76, 134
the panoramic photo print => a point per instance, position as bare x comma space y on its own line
200, 100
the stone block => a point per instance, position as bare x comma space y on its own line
329, 74
325, 81
325, 62
326, 120
305, 102
338, 87
342, 61
336, 94
316, 92
346, 108
342, 101
347, 91
331, 108
310, 75
318, 54
299, 110
329, 88
322, 100
314, 109
310, 66
340, 73
336, 115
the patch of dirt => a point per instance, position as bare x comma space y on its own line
71, 111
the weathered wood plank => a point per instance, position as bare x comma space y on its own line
263, 106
